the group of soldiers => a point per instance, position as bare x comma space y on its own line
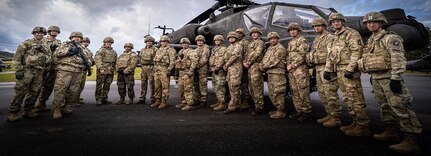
44, 65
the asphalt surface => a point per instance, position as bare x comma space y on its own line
141, 130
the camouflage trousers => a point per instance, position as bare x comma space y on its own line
67, 88
327, 90
186, 88
27, 88
83, 76
255, 78
353, 96
299, 80
219, 85
245, 91
48, 85
201, 84
277, 89
103, 85
396, 108
147, 77
125, 83
234, 75
161, 83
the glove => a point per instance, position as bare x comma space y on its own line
46, 75
396, 86
327, 75
216, 71
53, 47
72, 51
120, 71
19, 75
40, 48
348, 75
168, 73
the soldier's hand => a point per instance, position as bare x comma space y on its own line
327, 75
396, 86
40, 48
120, 71
53, 47
19, 74
348, 75
72, 51
216, 71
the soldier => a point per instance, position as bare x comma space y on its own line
85, 43
29, 59
274, 64
216, 63
201, 82
327, 89
342, 61
255, 76
105, 63
70, 65
125, 67
50, 72
164, 61
233, 66
147, 73
384, 59
245, 92
186, 63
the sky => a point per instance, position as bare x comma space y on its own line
129, 20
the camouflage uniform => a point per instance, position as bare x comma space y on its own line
164, 61
105, 60
274, 64
186, 67
255, 76
30, 60
342, 58
126, 63
233, 66
89, 55
147, 73
245, 92
216, 62
201, 82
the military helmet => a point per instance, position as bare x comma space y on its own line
75, 34
54, 28
86, 39
241, 30
184, 40
200, 38
128, 45
218, 37
336, 16
39, 29
108, 40
374, 17
232, 34
149, 38
255, 30
165, 38
318, 21
294, 25
272, 35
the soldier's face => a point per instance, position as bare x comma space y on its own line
240, 35
85, 43
108, 45
185, 45
319, 28
127, 48
38, 35
76, 39
232, 39
164, 43
373, 26
255, 36
217, 42
53, 33
273, 41
200, 43
293, 32
149, 44
337, 24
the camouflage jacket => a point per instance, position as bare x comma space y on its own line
296, 50
147, 55
203, 53
255, 52
28, 55
274, 60
233, 55
89, 55
105, 60
216, 59
49, 42
345, 50
127, 61
189, 60
320, 48
72, 63
245, 49
165, 56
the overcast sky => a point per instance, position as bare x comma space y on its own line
128, 20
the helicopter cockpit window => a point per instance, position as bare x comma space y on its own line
283, 15
256, 17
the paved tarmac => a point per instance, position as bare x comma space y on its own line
141, 130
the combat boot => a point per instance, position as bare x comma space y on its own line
75, 104
408, 146
278, 114
156, 103
187, 108
295, 115
105, 101
215, 105
181, 105
358, 131
257, 111
202, 104
304, 117
13, 117
40, 106
66, 110
121, 101
162, 104
333, 122
99, 103
140, 101
324, 119
229, 111
130, 102
220, 107
351, 126
30, 114
57, 114
244, 105
390, 134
